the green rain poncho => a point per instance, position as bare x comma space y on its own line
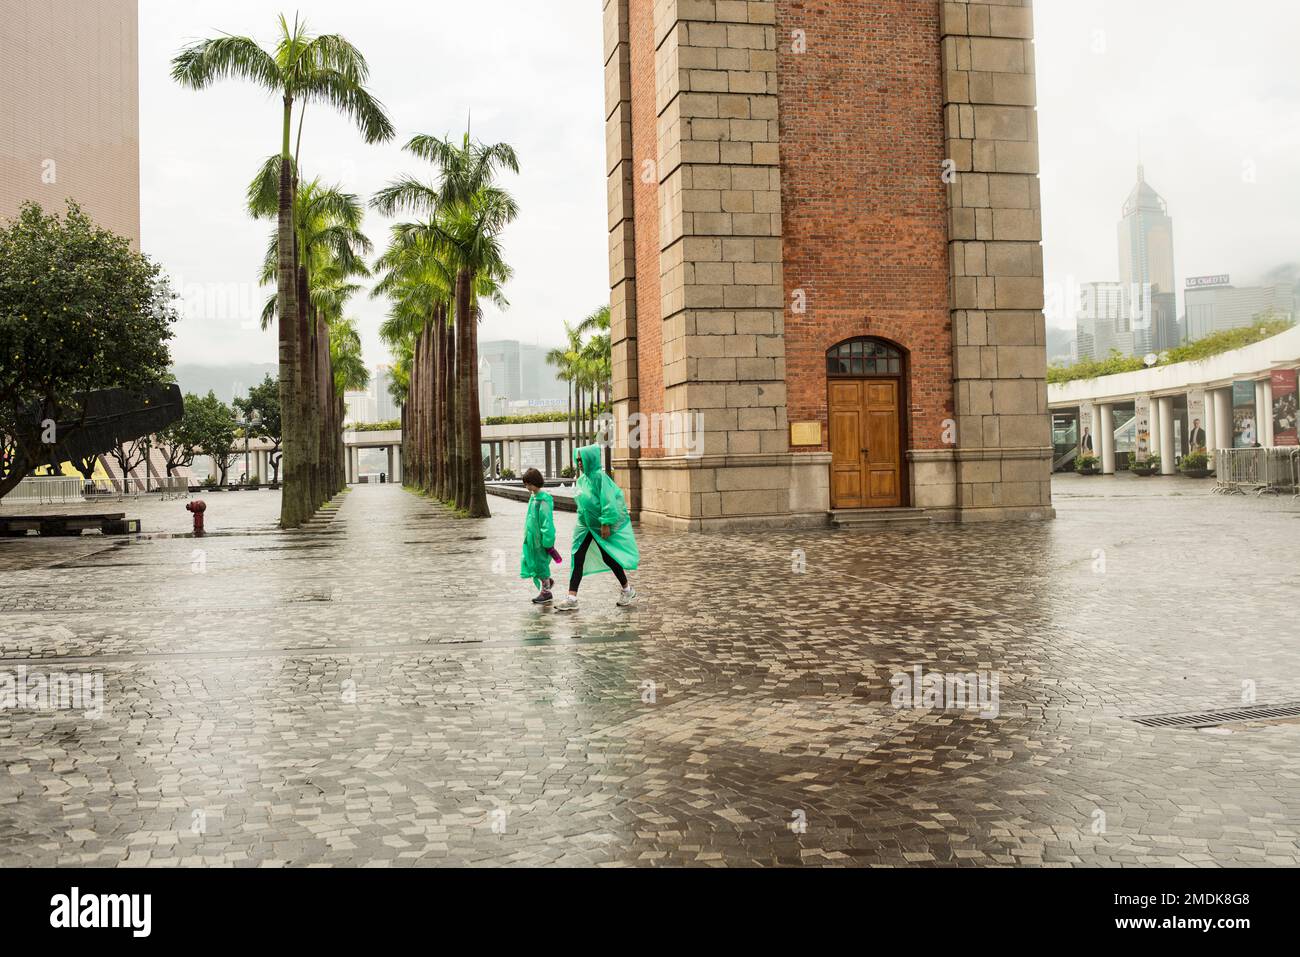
539, 535
600, 502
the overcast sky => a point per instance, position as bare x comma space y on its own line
1211, 93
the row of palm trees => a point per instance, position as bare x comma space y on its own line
586, 367
435, 271
315, 251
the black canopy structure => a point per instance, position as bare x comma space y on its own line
113, 416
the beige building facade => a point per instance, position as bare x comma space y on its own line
70, 109
802, 345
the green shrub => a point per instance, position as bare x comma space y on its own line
1085, 462
1195, 460
527, 419
1264, 327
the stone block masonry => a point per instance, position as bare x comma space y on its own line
779, 151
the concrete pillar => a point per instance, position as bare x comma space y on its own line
1210, 419
1155, 426
354, 462
1223, 418
398, 455
1107, 435
1166, 416
391, 470
1264, 411
1096, 430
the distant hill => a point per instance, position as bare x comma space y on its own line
1060, 344
227, 381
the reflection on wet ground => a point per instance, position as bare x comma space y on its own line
379, 689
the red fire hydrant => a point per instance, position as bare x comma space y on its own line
198, 507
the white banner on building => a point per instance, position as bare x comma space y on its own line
1197, 437
1142, 427
1087, 442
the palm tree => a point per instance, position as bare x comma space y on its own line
566, 361
301, 68
348, 374
598, 354
421, 286
466, 213
331, 250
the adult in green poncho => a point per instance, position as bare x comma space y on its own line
603, 539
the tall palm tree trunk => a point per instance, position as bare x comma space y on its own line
293, 494
453, 410
428, 392
307, 392
325, 442
415, 401
476, 498
409, 463
435, 392
568, 423
445, 408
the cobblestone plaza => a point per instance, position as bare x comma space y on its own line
377, 690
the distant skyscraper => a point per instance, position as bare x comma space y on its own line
385, 409
517, 372
1103, 320
1219, 306
1146, 267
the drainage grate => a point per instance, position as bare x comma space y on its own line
1208, 719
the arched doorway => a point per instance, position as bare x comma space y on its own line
865, 379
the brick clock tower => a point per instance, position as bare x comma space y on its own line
825, 261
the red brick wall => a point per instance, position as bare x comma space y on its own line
863, 202
645, 146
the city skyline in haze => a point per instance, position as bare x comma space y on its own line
1212, 110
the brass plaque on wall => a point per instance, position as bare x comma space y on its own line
805, 433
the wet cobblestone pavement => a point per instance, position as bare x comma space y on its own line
378, 690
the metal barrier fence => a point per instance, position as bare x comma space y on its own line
39, 490
1261, 471
172, 486
64, 490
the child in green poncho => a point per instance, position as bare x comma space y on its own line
539, 537
603, 539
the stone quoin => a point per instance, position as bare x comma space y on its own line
825, 245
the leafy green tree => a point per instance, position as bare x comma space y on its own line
79, 310
302, 68
216, 429
180, 441
264, 398
130, 455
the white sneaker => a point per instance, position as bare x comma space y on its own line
627, 597
567, 603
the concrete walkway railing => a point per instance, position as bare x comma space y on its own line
39, 490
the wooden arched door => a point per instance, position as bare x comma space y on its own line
865, 402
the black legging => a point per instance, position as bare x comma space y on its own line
580, 557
